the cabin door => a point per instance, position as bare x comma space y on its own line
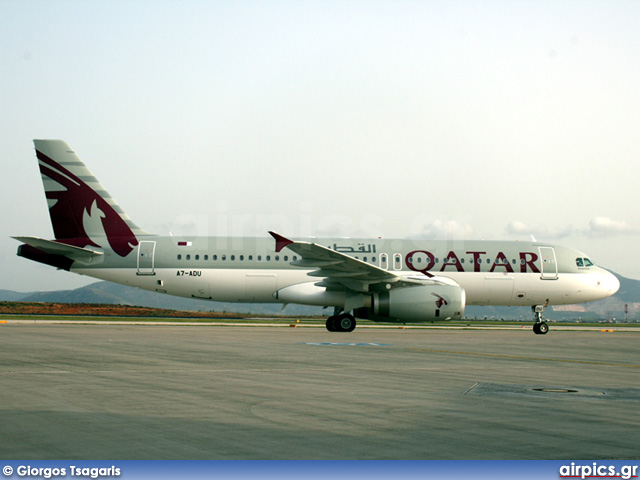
548, 263
146, 251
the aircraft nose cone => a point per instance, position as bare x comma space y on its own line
610, 283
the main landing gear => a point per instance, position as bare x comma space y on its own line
540, 327
341, 322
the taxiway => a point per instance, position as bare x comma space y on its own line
202, 392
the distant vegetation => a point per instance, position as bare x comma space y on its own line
87, 309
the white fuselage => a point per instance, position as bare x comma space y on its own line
491, 273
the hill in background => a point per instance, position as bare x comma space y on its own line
113, 293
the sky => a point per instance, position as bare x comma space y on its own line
429, 119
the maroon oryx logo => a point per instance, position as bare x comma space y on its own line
440, 301
78, 200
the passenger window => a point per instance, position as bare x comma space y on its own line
268, 258
188, 257
214, 257
224, 257
384, 261
277, 258
579, 262
197, 257
206, 257
233, 257
179, 257
259, 258
250, 257
241, 257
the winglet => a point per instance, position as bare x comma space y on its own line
281, 241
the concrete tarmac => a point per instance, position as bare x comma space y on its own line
201, 392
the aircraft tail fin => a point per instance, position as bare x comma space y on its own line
82, 212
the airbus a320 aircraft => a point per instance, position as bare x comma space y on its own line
377, 279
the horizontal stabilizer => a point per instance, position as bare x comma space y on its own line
82, 255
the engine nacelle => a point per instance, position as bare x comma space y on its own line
428, 303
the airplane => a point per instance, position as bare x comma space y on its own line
383, 280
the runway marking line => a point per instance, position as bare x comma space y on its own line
331, 344
522, 357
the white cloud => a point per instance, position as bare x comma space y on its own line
440, 230
520, 229
597, 227
517, 227
600, 226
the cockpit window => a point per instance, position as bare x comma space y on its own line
584, 262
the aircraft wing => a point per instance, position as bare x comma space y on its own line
339, 271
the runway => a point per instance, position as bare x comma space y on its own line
201, 392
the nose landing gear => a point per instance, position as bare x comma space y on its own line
540, 327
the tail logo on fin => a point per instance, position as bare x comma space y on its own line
79, 213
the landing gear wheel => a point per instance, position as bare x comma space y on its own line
329, 324
341, 323
346, 323
540, 328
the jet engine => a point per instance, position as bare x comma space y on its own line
428, 303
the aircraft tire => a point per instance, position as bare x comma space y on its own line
540, 328
346, 323
330, 324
